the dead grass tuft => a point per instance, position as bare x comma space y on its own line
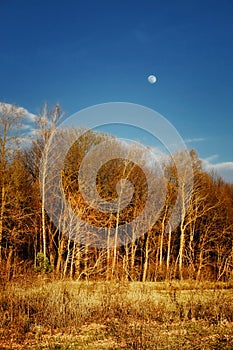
110, 315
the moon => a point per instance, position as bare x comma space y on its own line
152, 79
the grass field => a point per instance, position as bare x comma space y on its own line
109, 315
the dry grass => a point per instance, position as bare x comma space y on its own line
106, 315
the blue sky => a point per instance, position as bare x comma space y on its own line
83, 53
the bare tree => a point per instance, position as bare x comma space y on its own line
10, 118
47, 122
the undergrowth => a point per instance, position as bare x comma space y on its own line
111, 315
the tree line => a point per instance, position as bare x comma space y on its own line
200, 247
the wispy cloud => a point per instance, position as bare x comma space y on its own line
194, 139
224, 169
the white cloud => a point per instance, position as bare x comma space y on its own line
209, 159
27, 116
224, 169
194, 139
153, 157
27, 125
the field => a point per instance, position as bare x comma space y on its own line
63, 315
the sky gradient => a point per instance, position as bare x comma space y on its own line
84, 53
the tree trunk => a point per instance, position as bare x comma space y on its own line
168, 251
60, 252
1, 218
181, 252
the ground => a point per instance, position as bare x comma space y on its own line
116, 315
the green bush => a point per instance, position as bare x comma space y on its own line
43, 264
